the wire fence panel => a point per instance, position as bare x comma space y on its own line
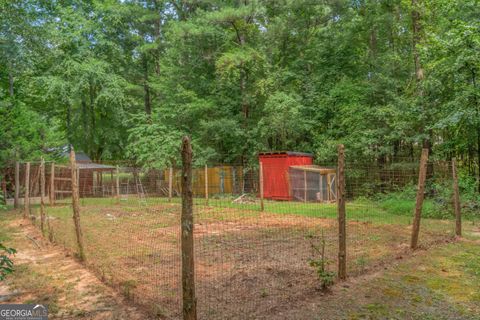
251, 260
380, 206
131, 239
251, 263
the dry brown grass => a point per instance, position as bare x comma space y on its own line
247, 262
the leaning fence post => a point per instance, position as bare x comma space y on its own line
206, 185
420, 197
26, 199
188, 266
342, 223
76, 205
260, 181
42, 195
456, 200
17, 185
52, 184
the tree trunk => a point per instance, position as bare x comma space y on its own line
92, 118
85, 123
146, 88
475, 101
69, 123
158, 25
419, 75
243, 84
416, 39
10, 84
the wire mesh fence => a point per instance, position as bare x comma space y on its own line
266, 236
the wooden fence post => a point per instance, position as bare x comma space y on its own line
260, 178
52, 184
117, 184
206, 185
76, 205
305, 186
420, 197
26, 199
188, 263
77, 173
456, 200
17, 185
42, 196
170, 183
342, 223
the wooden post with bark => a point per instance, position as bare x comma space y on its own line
342, 219
117, 184
305, 186
76, 205
42, 196
52, 184
26, 199
456, 200
170, 184
17, 185
206, 185
420, 197
260, 178
189, 305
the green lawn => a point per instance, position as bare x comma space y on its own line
441, 283
387, 211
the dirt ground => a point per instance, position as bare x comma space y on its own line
439, 283
47, 274
248, 264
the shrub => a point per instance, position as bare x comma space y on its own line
6, 265
320, 262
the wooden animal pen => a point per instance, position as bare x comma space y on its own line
90, 177
276, 182
221, 180
313, 183
292, 176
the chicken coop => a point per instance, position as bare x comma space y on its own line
293, 176
313, 183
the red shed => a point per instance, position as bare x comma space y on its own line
276, 182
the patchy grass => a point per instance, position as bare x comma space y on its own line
239, 249
441, 284
44, 274
256, 263
383, 211
37, 288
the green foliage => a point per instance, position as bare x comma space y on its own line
2, 203
153, 144
24, 133
282, 126
6, 265
126, 79
469, 196
438, 202
319, 261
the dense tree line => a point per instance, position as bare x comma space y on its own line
126, 79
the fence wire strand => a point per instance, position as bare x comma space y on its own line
249, 262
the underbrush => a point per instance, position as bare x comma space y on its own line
438, 202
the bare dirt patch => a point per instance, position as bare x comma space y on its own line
248, 263
48, 274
